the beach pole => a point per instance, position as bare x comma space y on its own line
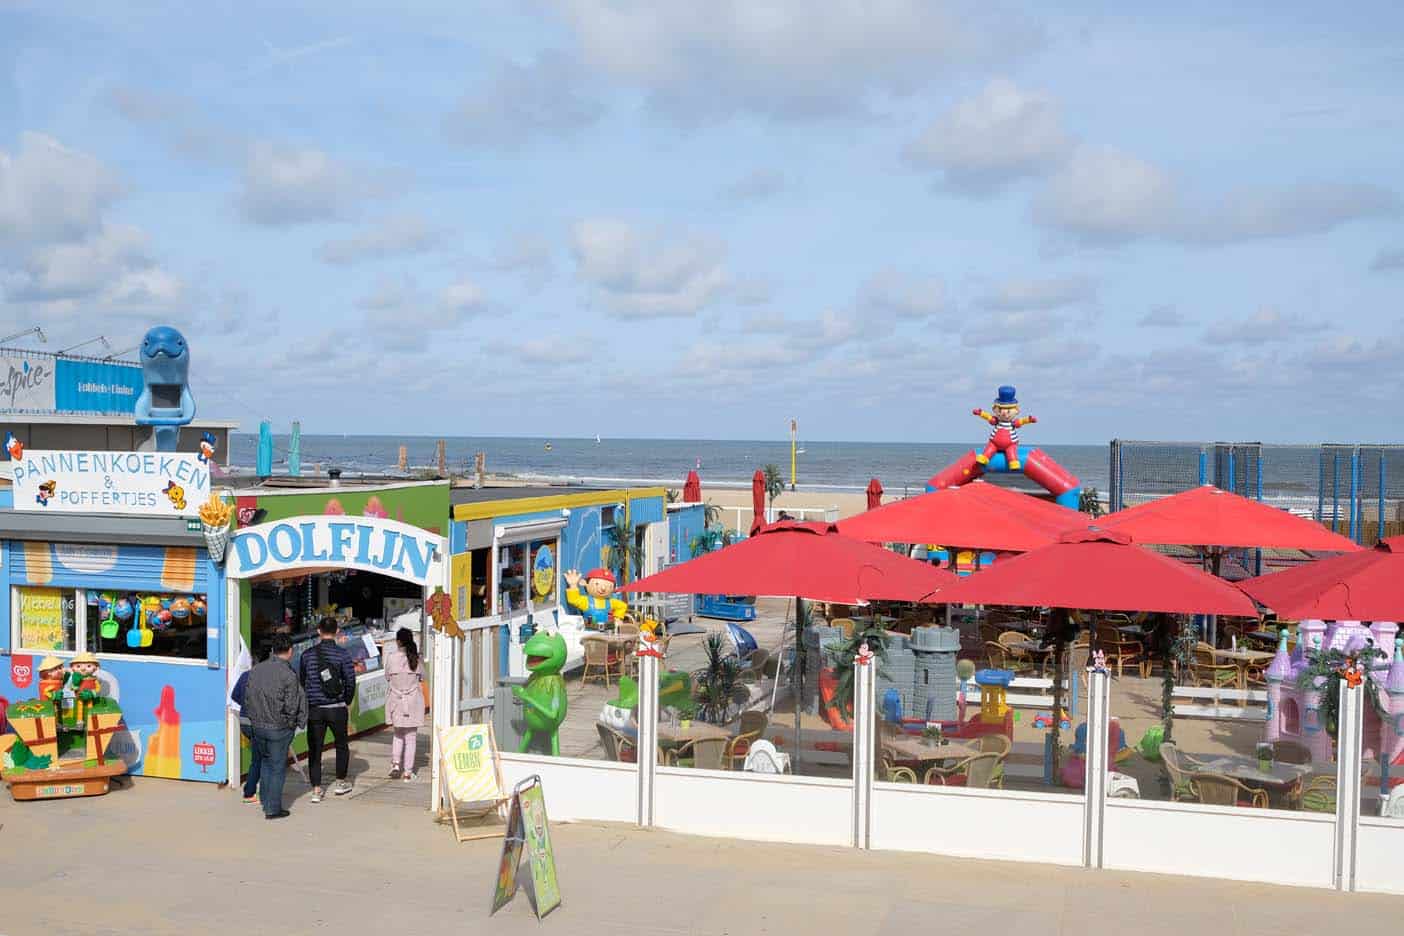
295, 449
404, 458
1379, 515
443, 459
1355, 495
794, 446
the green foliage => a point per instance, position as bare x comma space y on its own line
710, 540
1323, 672
672, 496
1090, 502
711, 514
19, 753
719, 686
1176, 642
625, 551
845, 669
774, 483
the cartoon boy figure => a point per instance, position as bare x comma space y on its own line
51, 677
47, 491
596, 602
176, 493
1004, 422
82, 677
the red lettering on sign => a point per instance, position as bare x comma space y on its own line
21, 670
204, 755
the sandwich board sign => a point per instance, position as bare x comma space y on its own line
527, 826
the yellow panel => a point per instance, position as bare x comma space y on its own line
510, 508
178, 569
460, 584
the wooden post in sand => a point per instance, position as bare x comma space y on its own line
404, 458
443, 459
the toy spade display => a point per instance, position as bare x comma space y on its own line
107, 608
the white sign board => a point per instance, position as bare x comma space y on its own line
168, 484
27, 383
371, 544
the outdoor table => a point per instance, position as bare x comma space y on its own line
915, 748
1281, 776
1242, 659
1033, 648
695, 731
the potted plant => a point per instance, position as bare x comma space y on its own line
718, 684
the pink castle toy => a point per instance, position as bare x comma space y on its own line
1295, 714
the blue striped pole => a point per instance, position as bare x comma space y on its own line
1335, 491
1379, 515
1355, 495
1203, 467
1258, 554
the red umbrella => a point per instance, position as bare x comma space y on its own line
805, 560
874, 494
692, 489
757, 502
1358, 586
1208, 517
978, 515
1100, 570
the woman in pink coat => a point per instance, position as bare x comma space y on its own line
404, 702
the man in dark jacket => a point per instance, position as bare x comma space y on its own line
329, 677
276, 707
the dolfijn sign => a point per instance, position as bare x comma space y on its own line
366, 543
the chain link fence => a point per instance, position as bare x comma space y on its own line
1356, 489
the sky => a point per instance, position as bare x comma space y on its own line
661, 218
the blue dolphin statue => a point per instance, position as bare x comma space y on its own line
165, 401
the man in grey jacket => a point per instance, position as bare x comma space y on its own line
276, 707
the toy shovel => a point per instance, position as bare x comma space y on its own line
109, 623
134, 634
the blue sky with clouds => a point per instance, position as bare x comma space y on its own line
647, 217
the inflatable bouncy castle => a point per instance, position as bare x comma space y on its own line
1003, 453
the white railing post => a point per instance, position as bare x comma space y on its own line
443, 691
647, 752
1349, 742
864, 740
1094, 787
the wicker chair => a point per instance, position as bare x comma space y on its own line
892, 772
1206, 670
599, 664
1017, 659
703, 754
976, 772
997, 744
1318, 795
1179, 767
753, 725
1122, 649
1220, 790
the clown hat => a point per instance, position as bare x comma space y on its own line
628, 694
48, 663
605, 574
1006, 397
84, 658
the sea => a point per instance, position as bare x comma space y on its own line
1291, 473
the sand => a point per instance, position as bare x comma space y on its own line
801, 504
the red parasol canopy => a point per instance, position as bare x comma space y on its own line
874, 494
1099, 570
801, 560
1206, 516
692, 489
1358, 586
757, 503
978, 515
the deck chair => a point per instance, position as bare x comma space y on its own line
473, 787
745, 643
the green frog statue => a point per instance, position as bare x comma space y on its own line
544, 695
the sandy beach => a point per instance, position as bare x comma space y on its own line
801, 504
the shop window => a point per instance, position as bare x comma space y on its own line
47, 618
147, 624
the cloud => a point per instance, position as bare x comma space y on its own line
1001, 134
284, 185
113, 268
1387, 261
549, 349
542, 100
786, 59
49, 192
391, 292
753, 290
1103, 196
1164, 316
756, 185
178, 122
403, 316
1265, 325
1022, 295
460, 299
648, 274
903, 295
1021, 327
530, 255
392, 236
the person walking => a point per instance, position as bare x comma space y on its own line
276, 707
404, 702
329, 677
239, 693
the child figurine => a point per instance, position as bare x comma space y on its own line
1005, 423
596, 602
83, 677
51, 677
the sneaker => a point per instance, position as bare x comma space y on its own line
283, 814
394, 773
410, 777
317, 795
251, 800
341, 788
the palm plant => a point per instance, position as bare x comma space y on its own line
843, 655
1090, 502
774, 484
711, 514
625, 551
710, 539
719, 686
